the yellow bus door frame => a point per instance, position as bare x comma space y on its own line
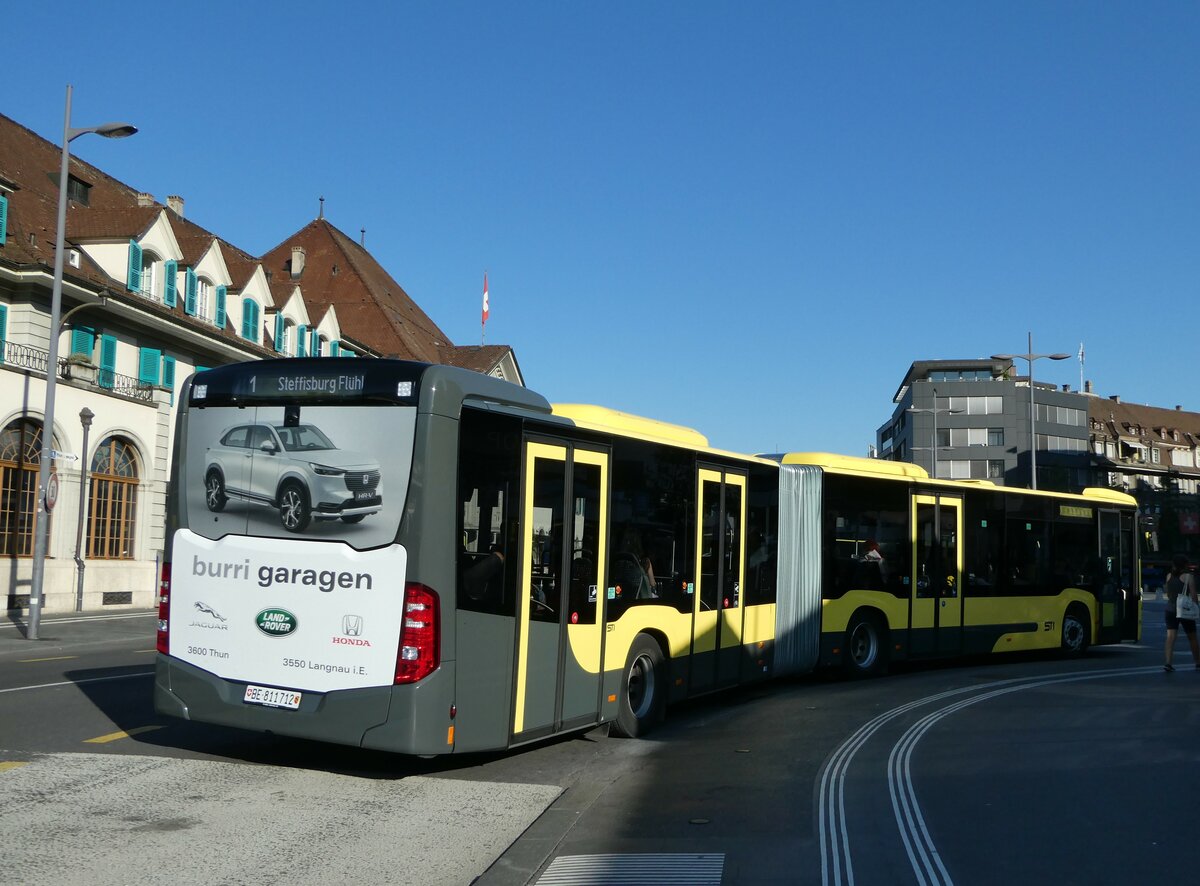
560, 623
717, 620
936, 618
1112, 595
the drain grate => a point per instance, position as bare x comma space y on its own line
650, 869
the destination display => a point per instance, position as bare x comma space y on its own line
309, 380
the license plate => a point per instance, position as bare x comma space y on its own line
272, 698
363, 496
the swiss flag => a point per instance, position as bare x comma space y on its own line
485, 298
1189, 523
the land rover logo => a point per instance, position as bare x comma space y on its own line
276, 622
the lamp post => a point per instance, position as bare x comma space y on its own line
85, 418
41, 528
933, 411
1029, 356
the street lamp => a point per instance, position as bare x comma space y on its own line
1029, 356
85, 418
934, 410
41, 529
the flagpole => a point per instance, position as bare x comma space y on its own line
1081, 367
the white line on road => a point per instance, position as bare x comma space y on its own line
79, 682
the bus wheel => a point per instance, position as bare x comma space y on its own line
643, 697
866, 652
214, 491
294, 510
1076, 635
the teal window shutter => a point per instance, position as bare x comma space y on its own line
220, 307
170, 271
335, 349
315, 350
149, 360
279, 332
202, 368
134, 281
301, 341
3, 330
250, 316
189, 293
83, 341
168, 375
3, 219
108, 360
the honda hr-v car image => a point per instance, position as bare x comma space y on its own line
296, 470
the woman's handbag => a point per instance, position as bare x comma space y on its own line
1185, 606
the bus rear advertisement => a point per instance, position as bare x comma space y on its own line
422, 559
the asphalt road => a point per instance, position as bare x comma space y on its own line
1031, 768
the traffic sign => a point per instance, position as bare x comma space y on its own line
51, 492
66, 456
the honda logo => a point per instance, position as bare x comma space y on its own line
352, 625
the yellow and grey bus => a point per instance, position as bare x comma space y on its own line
423, 559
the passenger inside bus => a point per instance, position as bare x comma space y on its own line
484, 578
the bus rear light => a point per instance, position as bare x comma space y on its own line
164, 609
418, 656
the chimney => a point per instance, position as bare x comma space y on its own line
297, 262
1066, 389
145, 199
1178, 408
1087, 386
1115, 398
175, 204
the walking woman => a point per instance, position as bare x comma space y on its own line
1180, 581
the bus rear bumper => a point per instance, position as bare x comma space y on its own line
344, 717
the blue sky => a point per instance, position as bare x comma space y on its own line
747, 218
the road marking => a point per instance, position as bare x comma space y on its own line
117, 736
143, 651
78, 682
53, 658
923, 855
12, 764
836, 865
49, 622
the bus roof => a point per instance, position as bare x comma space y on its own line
603, 418
854, 465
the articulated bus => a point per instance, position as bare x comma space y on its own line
426, 560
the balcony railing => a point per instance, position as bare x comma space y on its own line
35, 359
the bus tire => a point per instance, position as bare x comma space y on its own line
642, 701
295, 512
214, 491
865, 653
1076, 632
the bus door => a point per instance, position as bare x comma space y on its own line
935, 625
1115, 591
560, 619
717, 601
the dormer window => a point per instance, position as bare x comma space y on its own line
151, 283
78, 190
204, 293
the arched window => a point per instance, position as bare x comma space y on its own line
20, 455
112, 504
151, 276
204, 293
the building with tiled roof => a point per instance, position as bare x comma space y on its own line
148, 297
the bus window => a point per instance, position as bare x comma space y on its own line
488, 476
652, 528
585, 542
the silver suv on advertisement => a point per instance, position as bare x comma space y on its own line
297, 470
